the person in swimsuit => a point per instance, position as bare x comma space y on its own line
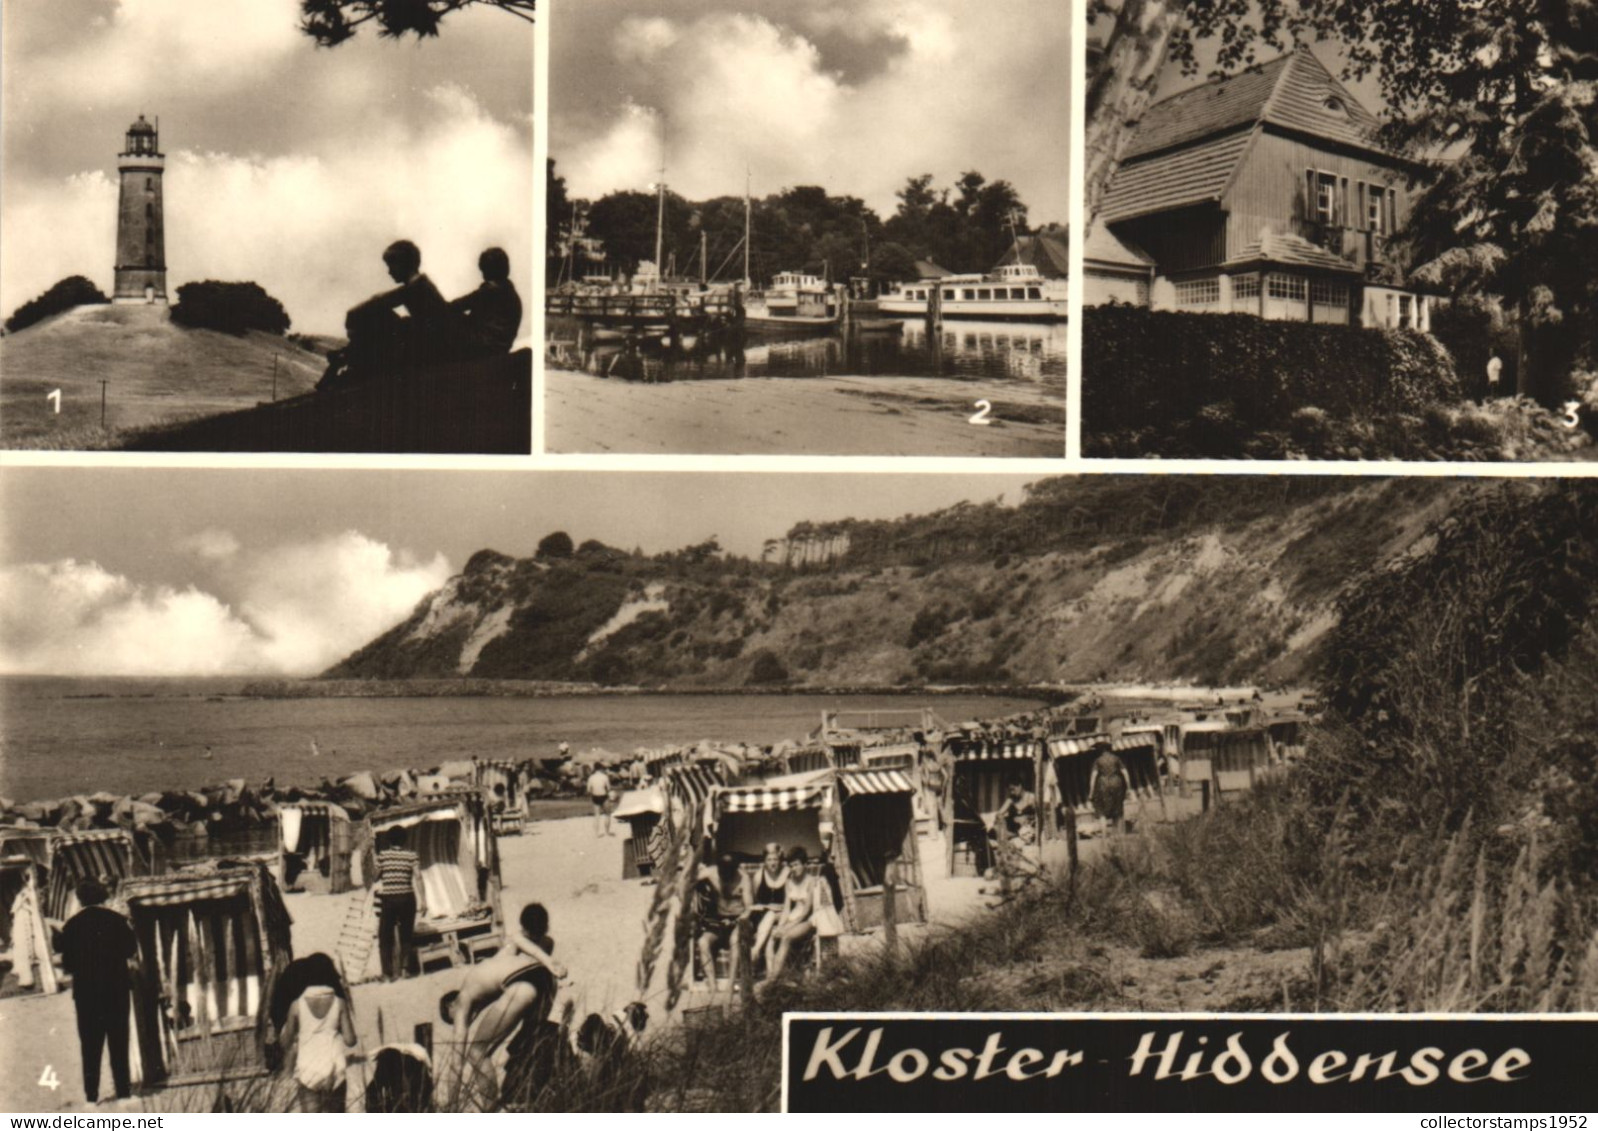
320, 1030
497, 997
798, 914
1108, 787
771, 894
727, 909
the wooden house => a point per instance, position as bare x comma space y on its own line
1266, 193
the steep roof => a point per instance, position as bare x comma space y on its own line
1102, 246
1183, 177
1048, 254
1188, 145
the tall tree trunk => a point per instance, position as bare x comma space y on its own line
1120, 87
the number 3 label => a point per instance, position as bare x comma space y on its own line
1572, 417
981, 417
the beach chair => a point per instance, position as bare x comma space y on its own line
509, 822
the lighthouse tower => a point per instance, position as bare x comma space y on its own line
141, 234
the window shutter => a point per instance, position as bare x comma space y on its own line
1362, 217
1311, 205
1342, 202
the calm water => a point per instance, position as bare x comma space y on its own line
1010, 351
136, 736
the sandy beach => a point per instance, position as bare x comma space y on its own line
597, 920
882, 416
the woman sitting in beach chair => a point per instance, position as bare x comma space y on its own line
797, 924
771, 895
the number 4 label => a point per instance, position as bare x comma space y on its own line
54, 397
48, 1078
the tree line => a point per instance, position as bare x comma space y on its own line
966, 227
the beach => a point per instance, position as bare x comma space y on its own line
883, 416
597, 921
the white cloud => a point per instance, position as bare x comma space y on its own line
640, 39
153, 45
310, 228
980, 86
210, 544
300, 608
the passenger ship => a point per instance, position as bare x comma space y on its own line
1017, 293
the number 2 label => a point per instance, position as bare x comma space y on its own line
981, 416
54, 397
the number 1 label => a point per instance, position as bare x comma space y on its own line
54, 397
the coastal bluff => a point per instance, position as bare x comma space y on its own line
1082, 582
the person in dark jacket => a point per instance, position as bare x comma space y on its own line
96, 945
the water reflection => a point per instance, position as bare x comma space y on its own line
1008, 351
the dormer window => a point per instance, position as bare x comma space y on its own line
1335, 104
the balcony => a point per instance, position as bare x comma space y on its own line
1368, 250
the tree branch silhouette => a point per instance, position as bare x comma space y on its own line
331, 22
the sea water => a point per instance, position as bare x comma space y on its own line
72, 736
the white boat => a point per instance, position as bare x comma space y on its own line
1017, 292
793, 302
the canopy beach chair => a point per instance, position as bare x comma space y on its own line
212, 941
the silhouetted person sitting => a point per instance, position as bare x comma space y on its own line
381, 341
488, 318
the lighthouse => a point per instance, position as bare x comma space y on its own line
141, 235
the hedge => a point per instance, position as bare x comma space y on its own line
1177, 384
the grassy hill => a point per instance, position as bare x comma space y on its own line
156, 373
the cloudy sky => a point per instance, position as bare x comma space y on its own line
113, 571
287, 164
855, 95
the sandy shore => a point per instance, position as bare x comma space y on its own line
882, 416
597, 920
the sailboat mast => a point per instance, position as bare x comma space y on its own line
660, 211
747, 281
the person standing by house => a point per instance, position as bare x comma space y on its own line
399, 884
1495, 372
96, 946
599, 794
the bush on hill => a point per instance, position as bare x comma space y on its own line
72, 291
233, 308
